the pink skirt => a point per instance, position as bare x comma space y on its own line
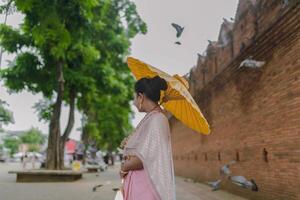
137, 186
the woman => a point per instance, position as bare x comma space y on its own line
148, 167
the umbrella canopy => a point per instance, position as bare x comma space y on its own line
176, 99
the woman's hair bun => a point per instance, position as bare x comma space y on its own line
159, 83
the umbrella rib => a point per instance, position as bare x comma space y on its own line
181, 109
186, 108
197, 122
176, 110
194, 124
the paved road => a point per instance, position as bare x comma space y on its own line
82, 189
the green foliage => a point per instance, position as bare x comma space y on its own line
44, 108
33, 148
109, 121
91, 38
12, 40
12, 144
6, 116
33, 136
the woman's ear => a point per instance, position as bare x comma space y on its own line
141, 97
139, 101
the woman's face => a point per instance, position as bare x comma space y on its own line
138, 101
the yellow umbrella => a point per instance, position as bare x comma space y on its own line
177, 99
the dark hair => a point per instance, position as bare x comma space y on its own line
151, 87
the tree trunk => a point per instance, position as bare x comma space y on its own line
85, 140
70, 124
54, 145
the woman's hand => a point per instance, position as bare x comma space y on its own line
130, 163
123, 174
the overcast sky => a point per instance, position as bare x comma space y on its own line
201, 19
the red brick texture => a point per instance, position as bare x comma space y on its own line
254, 113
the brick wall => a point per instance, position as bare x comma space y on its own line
245, 26
254, 116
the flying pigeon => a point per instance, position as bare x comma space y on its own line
252, 63
179, 29
215, 184
243, 182
225, 169
178, 43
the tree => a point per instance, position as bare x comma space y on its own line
12, 144
109, 121
6, 115
70, 50
5, 9
33, 136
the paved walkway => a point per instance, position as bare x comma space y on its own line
82, 189
197, 191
